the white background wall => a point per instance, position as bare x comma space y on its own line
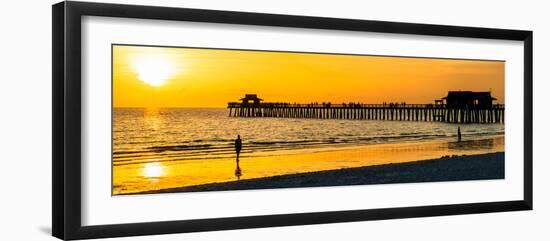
25, 119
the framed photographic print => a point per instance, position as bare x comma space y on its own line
170, 120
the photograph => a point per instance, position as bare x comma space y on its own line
191, 119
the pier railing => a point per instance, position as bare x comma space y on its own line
362, 111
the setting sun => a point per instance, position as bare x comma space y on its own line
153, 70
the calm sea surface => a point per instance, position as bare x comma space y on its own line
143, 135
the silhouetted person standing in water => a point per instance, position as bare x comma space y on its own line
238, 146
459, 134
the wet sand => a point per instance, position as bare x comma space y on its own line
166, 174
454, 168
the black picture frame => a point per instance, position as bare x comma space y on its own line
66, 158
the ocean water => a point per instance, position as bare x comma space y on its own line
143, 135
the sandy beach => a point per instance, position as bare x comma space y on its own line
178, 175
453, 168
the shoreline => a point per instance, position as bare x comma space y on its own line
323, 147
449, 168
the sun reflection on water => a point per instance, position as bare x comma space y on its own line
153, 170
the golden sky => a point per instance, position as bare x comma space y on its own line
187, 77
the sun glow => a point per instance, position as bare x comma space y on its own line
153, 70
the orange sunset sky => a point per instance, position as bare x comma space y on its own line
187, 77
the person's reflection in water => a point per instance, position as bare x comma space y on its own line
238, 172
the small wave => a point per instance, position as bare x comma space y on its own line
164, 148
282, 142
409, 133
179, 147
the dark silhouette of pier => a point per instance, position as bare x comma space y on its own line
457, 107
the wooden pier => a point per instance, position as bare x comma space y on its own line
398, 112
456, 107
